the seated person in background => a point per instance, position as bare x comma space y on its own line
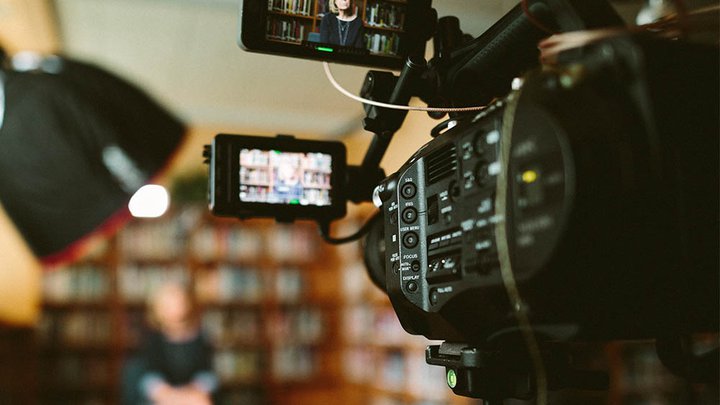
342, 26
176, 357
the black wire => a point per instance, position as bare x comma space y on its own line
325, 231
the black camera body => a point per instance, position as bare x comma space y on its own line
612, 196
582, 206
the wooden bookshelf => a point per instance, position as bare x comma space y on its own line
293, 320
269, 307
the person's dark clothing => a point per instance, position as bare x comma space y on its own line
178, 363
345, 33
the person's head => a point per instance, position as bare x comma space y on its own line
173, 309
347, 6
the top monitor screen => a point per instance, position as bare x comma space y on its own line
363, 32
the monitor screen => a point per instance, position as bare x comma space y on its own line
280, 177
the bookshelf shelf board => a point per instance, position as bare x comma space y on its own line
255, 183
94, 305
85, 350
292, 15
383, 28
284, 41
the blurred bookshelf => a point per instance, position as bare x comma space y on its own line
292, 319
266, 290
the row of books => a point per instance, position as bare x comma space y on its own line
278, 243
228, 243
167, 241
269, 159
287, 363
294, 362
232, 327
229, 284
301, 7
385, 15
395, 371
136, 283
386, 44
363, 323
70, 371
153, 240
297, 325
238, 366
82, 329
261, 177
285, 30
85, 283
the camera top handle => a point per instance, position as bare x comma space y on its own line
460, 74
471, 74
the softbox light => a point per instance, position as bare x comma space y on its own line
75, 143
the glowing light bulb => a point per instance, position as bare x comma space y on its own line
150, 201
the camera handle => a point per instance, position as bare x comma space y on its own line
488, 63
382, 122
497, 374
360, 181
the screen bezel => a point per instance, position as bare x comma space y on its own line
226, 155
251, 36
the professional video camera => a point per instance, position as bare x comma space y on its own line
580, 205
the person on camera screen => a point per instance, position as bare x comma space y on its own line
342, 26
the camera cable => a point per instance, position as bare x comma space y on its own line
331, 78
325, 231
501, 194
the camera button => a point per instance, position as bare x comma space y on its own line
434, 297
408, 190
393, 217
415, 266
454, 190
482, 173
412, 286
409, 215
410, 240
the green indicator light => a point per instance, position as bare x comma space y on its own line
325, 49
451, 378
295, 202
